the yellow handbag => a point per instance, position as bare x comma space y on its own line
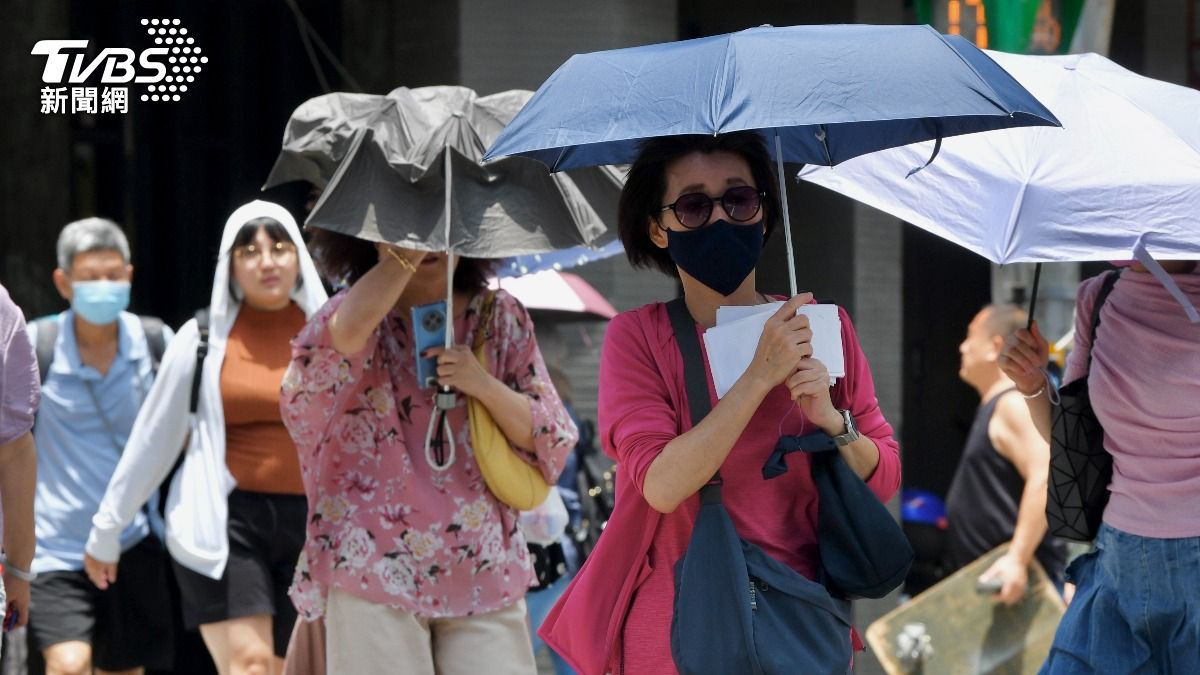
513, 480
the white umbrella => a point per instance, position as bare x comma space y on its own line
1120, 180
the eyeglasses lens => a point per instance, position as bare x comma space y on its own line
740, 204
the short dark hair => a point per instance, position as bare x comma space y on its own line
275, 230
341, 257
646, 185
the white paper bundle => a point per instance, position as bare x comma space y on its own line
732, 342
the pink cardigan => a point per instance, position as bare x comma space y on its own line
626, 584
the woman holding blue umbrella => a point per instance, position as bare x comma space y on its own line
700, 208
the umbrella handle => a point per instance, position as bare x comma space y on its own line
1037, 278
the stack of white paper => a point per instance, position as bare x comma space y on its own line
732, 342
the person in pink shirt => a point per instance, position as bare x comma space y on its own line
1136, 606
414, 563
20, 392
699, 208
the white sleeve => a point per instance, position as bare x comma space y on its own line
154, 443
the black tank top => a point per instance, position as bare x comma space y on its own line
984, 499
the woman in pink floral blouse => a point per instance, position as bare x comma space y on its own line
414, 568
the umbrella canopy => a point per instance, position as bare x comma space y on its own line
831, 93
404, 168
1125, 167
823, 94
561, 294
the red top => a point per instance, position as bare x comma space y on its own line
618, 609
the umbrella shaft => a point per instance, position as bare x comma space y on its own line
787, 223
449, 260
1037, 279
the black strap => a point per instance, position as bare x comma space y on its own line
1109, 281
201, 352
201, 317
695, 382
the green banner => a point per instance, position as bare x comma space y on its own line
1018, 26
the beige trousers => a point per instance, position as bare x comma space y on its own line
364, 637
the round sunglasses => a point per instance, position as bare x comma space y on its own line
740, 203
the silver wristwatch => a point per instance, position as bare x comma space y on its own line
851, 434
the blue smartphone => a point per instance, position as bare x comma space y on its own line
429, 330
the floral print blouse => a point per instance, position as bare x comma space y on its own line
383, 525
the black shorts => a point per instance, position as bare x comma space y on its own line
266, 533
128, 625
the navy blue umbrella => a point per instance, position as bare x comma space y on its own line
820, 94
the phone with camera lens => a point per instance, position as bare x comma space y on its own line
429, 330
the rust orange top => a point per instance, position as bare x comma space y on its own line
258, 450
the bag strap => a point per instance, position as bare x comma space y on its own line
485, 318
201, 353
152, 326
201, 317
1110, 280
47, 337
695, 383
112, 433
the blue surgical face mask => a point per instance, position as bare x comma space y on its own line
719, 255
99, 302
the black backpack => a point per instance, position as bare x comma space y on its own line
597, 478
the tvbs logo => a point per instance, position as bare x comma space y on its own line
166, 70
118, 63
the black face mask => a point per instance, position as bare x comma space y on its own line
720, 255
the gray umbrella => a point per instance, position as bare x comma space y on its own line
405, 169
386, 162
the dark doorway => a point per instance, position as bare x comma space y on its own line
944, 287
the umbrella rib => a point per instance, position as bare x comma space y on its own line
721, 77
994, 97
1011, 227
562, 152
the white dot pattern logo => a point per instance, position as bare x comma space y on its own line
169, 36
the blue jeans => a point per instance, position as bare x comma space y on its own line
1136, 608
539, 605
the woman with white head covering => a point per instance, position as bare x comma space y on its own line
235, 509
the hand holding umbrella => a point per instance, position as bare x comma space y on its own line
1024, 358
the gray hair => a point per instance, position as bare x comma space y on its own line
87, 235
